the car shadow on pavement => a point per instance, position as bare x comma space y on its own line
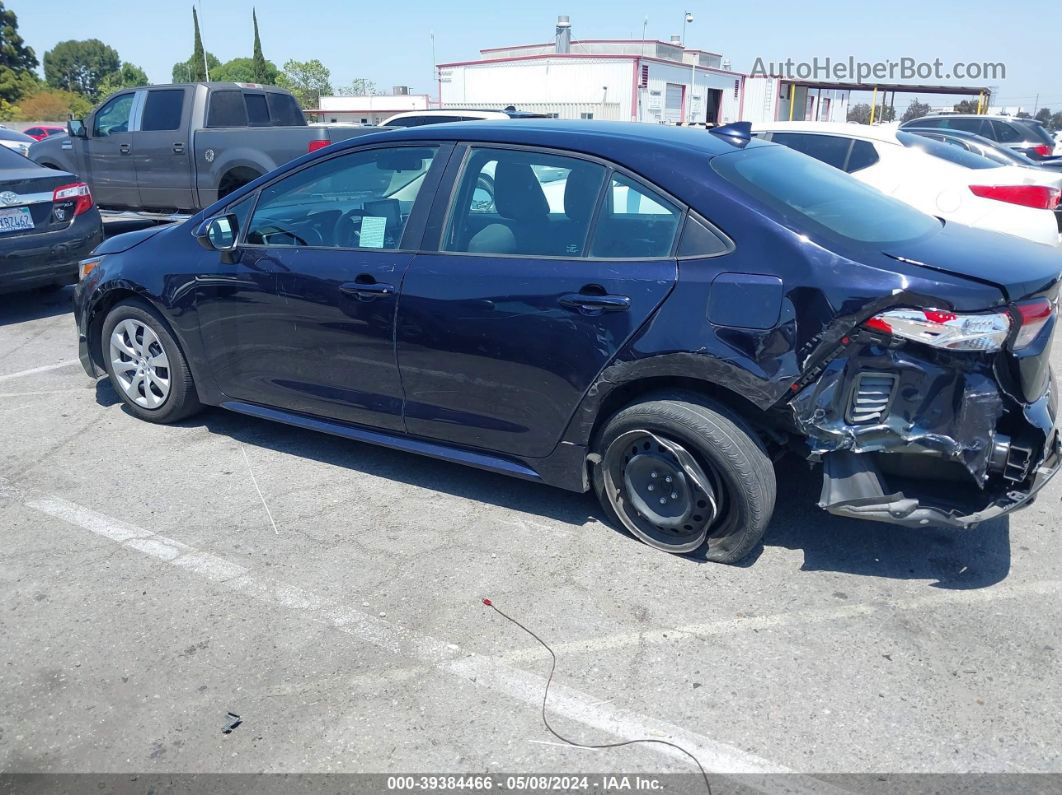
951, 559
35, 305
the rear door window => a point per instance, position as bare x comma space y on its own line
227, 109
1006, 133
975, 126
634, 222
863, 155
831, 149
523, 203
257, 110
163, 109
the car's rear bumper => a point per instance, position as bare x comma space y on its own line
45, 258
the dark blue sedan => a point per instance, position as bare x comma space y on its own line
654, 313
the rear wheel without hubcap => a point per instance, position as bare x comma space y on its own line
682, 473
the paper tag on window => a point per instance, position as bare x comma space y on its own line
373, 229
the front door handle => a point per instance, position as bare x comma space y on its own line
588, 302
123, 148
367, 291
178, 148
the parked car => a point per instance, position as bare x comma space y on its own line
1027, 136
180, 147
700, 302
935, 177
994, 152
980, 145
48, 222
44, 131
416, 118
13, 139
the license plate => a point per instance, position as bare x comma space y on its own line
15, 219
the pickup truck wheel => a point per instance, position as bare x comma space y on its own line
686, 475
146, 366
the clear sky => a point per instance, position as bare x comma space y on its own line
390, 42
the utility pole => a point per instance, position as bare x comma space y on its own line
688, 17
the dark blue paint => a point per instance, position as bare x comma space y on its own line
486, 360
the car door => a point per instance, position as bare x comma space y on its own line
161, 152
323, 257
504, 326
109, 153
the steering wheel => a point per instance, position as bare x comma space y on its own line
341, 233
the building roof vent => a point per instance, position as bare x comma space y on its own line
564, 35
676, 39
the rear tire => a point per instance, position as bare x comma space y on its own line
145, 364
686, 475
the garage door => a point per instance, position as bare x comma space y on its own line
673, 103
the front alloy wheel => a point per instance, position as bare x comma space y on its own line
140, 364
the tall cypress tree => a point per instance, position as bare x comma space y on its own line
198, 70
262, 72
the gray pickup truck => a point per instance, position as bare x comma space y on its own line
180, 147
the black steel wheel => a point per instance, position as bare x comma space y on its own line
682, 474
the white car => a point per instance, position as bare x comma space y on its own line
938, 179
417, 118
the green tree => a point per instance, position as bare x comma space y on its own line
184, 71
359, 87
80, 66
1044, 116
128, 76
1056, 121
242, 70
307, 80
17, 61
262, 71
861, 113
966, 106
198, 62
915, 110
51, 104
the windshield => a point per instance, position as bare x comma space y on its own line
814, 197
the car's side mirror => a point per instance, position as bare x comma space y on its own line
76, 128
219, 233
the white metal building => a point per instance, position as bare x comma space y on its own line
630, 80
775, 99
368, 109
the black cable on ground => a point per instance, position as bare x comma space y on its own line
561, 737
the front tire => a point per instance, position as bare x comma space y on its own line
146, 366
684, 474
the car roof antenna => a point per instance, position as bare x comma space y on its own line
739, 132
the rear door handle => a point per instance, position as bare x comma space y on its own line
178, 148
123, 148
367, 291
600, 303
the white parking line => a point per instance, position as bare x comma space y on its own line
36, 370
791, 618
479, 670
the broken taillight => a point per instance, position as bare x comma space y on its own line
943, 329
1034, 316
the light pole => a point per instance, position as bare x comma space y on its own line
688, 17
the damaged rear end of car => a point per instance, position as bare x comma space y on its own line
922, 380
